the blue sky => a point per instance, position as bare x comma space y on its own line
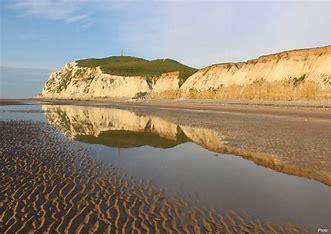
45, 34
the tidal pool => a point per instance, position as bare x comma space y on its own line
186, 161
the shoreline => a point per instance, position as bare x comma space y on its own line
302, 109
240, 102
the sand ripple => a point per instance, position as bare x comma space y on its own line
50, 184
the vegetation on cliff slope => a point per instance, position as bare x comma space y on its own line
132, 66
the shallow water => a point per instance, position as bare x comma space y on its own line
22, 112
184, 161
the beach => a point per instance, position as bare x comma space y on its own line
50, 183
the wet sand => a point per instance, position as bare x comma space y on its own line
51, 184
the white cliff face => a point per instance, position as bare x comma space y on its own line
74, 82
291, 69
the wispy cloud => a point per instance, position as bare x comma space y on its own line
77, 18
71, 11
48, 9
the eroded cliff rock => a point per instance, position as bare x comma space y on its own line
296, 74
75, 82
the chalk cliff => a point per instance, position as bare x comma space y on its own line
296, 74
74, 82
289, 75
115, 77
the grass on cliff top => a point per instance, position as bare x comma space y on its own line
132, 66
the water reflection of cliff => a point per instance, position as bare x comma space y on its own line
122, 128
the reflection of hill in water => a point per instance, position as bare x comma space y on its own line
122, 128
127, 139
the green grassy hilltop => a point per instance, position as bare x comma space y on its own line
132, 66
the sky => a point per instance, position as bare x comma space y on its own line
45, 34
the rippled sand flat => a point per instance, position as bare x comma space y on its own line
51, 184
